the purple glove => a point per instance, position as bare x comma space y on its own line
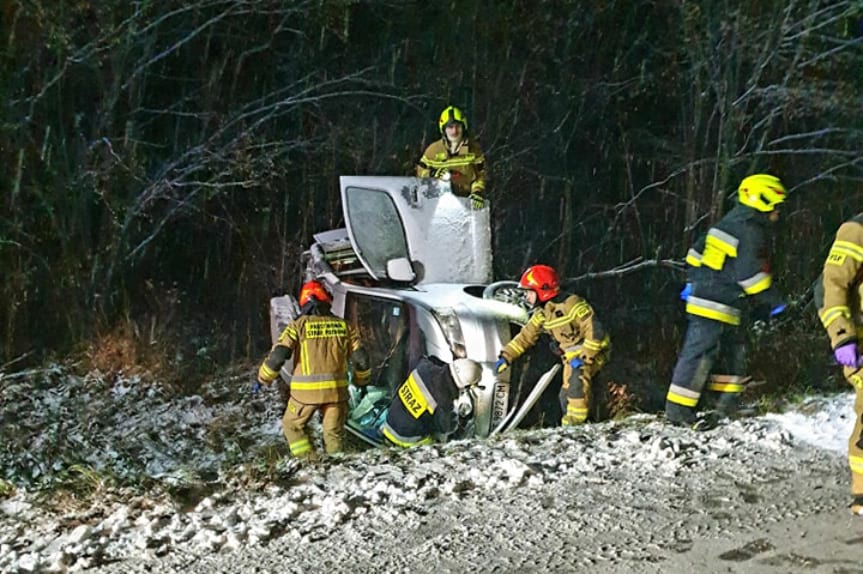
847, 355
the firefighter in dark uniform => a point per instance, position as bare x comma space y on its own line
456, 157
424, 407
724, 267
570, 320
321, 345
840, 310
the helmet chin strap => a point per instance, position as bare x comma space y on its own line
314, 307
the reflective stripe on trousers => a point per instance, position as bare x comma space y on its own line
404, 442
707, 342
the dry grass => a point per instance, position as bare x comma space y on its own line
76, 490
156, 348
86, 481
7, 489
621, 401
792, 359
114, 352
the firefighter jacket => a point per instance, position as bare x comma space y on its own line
838, 294
572, 323
423, 405
466, 166
729, 263
321, 345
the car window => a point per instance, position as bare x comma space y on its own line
376, 228
389, 332
384, 329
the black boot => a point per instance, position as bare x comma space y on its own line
707, 421
727, 404
679, 415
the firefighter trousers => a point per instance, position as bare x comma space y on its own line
855, 442
296, 418
713, 356
575, 393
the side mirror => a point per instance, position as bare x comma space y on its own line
400, 269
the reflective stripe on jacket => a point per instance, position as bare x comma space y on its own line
422, 405
837, 295
321, 346
466, 166
572, 323
729, 263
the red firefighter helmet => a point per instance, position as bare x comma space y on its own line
541, 279
314, 289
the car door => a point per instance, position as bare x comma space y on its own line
418, 220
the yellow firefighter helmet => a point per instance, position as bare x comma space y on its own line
449, 115
761, 191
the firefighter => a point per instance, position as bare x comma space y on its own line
427, 404
321, 345
724, 266
839, 307
456, 157
570, 320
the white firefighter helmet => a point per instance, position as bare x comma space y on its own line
465, 372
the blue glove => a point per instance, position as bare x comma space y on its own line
501, 365
686, 292
576, 363
256, 388
778, 309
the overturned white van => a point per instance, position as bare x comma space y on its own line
412, 272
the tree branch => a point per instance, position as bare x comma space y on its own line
631, 266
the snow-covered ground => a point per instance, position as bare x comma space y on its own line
202, 484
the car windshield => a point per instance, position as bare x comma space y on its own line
380, 236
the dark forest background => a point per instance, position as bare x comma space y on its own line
165, 162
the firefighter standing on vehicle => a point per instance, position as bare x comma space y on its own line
321, 345
570, 320
456, 157
724, 267
838, 297
426, 405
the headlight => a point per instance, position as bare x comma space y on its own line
464, 404
451, 328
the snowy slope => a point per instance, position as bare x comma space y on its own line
209, 452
